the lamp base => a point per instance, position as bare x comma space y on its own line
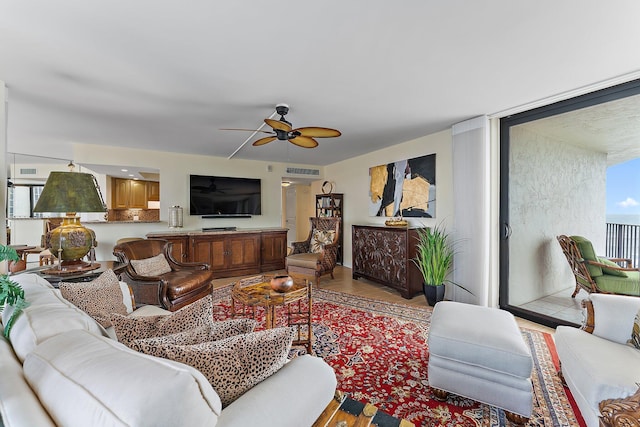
72, 267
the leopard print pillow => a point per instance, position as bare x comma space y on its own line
98, 298
215, 332
192, 316
154, 266
319, 239
236, 364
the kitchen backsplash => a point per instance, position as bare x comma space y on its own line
129, 214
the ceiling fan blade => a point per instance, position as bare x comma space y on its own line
277, 124
263, 141
304, 142
317, 132
248, 130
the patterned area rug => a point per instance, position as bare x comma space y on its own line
379, 353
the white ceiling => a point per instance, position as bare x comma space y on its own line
167, 75
612, 128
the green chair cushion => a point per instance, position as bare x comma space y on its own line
611, 271
586, 249
620, 285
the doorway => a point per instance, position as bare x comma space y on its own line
290, 214
553, 181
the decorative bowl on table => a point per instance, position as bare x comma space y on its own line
281, 283
396, 222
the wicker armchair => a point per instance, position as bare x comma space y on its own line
317, 255
596, 274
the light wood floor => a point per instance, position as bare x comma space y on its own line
343, 282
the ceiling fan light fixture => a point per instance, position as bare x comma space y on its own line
283, 131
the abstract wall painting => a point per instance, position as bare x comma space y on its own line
406, 188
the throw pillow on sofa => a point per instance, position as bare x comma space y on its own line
98, 298
193, 316
236, 364
214, 332
154, 266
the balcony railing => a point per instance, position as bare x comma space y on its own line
623, 241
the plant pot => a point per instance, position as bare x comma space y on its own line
433, 293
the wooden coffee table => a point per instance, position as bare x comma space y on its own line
246, 297
344, 412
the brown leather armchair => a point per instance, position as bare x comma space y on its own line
317, 255
184, 284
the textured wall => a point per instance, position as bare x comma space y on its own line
554, 188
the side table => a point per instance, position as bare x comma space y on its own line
247, 294
83, 276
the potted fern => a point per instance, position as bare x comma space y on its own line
434, 259
10, 292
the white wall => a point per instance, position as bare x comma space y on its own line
554, 188
174, 169
3, 158
352, 178
305, 208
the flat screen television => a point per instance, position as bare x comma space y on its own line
224, 196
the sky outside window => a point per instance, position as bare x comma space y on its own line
623, 190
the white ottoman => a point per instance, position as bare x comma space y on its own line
478, 352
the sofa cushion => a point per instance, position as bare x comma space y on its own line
614, 316
310, 384
629, 285
304, 260
612, 271
154, 266
47, 315
217, 331
236, 364
19, 406
98, 298
85, 380
586, 249
596, 368
194, 315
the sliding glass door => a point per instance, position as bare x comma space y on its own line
553, 182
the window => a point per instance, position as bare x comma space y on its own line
22, 200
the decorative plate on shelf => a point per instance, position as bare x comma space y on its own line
327, 187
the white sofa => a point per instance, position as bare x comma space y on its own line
600, 365
62, 368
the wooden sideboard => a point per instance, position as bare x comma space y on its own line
383, 255
230, 253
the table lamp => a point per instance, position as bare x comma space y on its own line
71, 192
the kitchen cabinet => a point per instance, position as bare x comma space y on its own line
153, 191
133, 194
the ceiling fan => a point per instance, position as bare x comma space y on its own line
283, 131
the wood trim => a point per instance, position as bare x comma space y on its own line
590, 322
621, 412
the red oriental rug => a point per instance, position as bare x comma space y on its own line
379, 353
